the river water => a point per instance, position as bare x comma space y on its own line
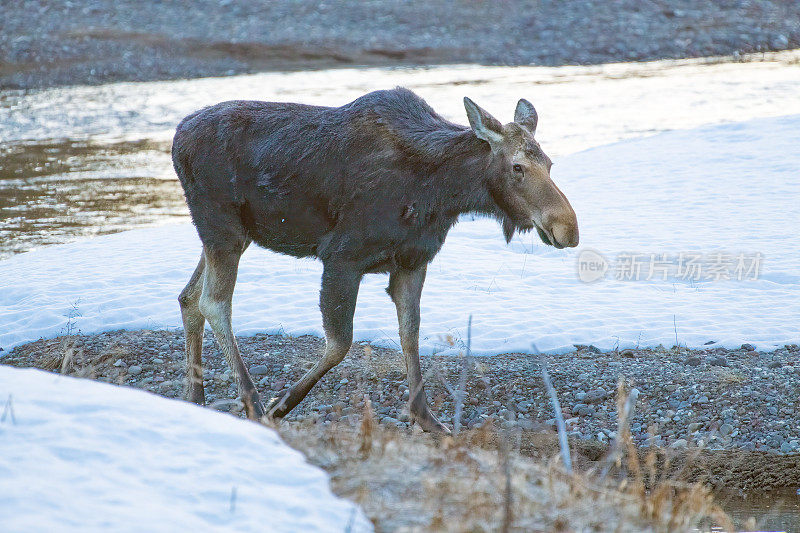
84, 161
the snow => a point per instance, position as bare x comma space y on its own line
730, 188
85, 456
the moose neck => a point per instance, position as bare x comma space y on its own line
464, 168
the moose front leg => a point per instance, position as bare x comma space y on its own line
405, 288
337, 301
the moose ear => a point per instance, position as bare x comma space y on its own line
526, 116
484, 125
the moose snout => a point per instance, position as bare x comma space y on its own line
561, 227
564, 235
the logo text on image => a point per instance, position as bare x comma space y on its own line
592, 266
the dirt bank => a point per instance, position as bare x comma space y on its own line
45, 44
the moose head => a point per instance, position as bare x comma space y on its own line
520, 183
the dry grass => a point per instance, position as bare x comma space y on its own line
478, 482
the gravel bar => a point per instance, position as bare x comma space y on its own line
715, 398
46, 43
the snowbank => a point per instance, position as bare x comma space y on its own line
730, 189
77, 455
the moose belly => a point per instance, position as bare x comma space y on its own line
295, 234
407, 249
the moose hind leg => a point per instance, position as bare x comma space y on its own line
215, 304
337, 302
193, 325
405, 289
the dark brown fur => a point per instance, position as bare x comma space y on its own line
372, 186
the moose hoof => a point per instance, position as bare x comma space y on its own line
431, 424
277, 408
196, 395
253, 406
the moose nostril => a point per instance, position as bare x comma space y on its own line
564, 234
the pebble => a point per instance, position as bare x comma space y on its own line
596, 396
679, 444
135, 370
225, 404
259, 370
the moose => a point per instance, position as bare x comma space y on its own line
373, 186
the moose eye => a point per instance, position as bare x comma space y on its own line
517, 168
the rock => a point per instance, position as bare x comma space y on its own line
506, 414
119, 362
259, 370
679, 444
584, 348
158, 361
774, 364
748, 347
135, 370
718, 361
595, 396
628, 353
582, 409
786, 448
693, 361
725, 429
779, 42
774, 440
224, 405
